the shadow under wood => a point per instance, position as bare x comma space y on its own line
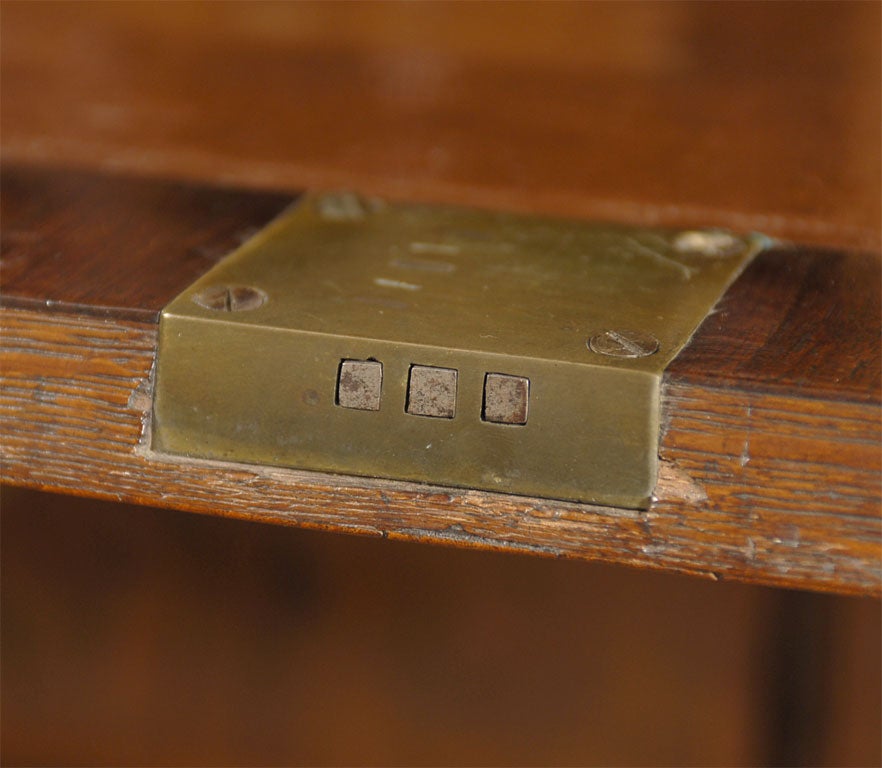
140, 636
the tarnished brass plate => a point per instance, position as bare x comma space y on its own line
439, 345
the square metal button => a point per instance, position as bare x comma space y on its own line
359, 384
432, 392
506, 399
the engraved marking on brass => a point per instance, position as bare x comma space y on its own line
506, 399
439, 249
623, 343
656, 255
423, 265
534, 348
432, 392
385, 282
360, 384
381, 301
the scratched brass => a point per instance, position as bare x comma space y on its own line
417, 291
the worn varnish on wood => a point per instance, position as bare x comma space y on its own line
770, 452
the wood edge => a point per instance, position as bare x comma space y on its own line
202, 171
50, 307
408, 511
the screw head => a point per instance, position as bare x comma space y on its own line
342, 206
623, 343
230, 298
713, 243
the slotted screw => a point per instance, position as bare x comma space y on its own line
230, 298
342, 206
623, 343
711, 243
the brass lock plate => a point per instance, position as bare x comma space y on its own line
440, 345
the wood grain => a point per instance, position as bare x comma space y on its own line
142, 244
75, 402
801, 322
750, 115
770, 468
761, 116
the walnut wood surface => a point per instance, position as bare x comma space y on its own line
761, 116
102, 245
770, 467
801, 322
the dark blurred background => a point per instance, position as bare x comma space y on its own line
136, 636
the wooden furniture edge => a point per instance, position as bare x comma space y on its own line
737, 496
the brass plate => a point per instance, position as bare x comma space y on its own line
440, 345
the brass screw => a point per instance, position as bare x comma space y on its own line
711, 243
341, 206
623, 344
230, 298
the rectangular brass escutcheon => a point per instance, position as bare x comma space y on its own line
440, 345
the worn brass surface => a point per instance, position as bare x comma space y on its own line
443, 303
